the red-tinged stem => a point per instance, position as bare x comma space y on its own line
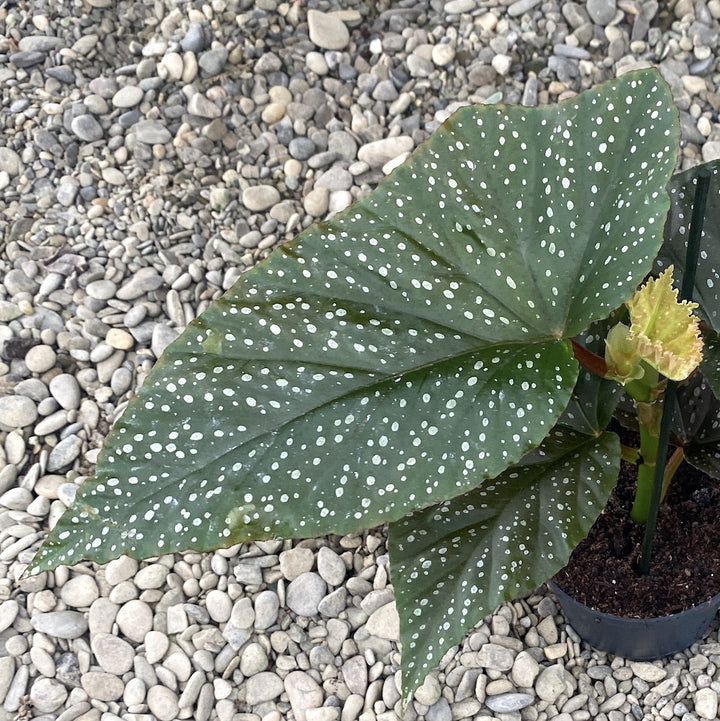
587, 359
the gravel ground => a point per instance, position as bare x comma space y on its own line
149, 153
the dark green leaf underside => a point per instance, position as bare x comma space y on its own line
302, 402
707, 281
456, 562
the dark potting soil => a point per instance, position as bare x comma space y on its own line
685, 567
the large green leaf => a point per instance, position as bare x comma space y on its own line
677, 228
454, 563
400, 353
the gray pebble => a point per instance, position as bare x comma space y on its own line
509, 702
260, 197
40, 358
66, 391
152, 132
601, 12
379, 152
195, 38
64, 453
327, 30
17, 412
264, 686
87, 128
101, 686
143, 281
9, 161
115, 655
213, 61
301, 148
60, 624
79, 591
47, 695
330, 566
305, 593
127, 97
267, 606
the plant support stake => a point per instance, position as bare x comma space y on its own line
691, 259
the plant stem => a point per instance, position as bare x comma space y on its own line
662, 448
645, 473
691, 259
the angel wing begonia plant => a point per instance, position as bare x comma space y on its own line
411, 361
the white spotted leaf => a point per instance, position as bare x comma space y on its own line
402, 352
454, 563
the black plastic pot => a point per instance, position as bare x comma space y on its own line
637, 639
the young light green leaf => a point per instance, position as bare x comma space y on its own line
399, 353
454, 563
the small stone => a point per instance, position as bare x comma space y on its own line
429, 693
521, 6
135, 619
173, 65
60, 624
80, 592
315, 202
379, 152
551, 683
156, 646
648, 671
195, 38
8, 613
303, 693
296, 561
525, 670
127, 97
9, 161
102, 686
213, 61
253, 660
101, 289
495, 657
64, 453
40, 358
115, 655
151, 132
509, 702
162, 337
66, 391
384, 622
331, 567
87, 128
601, 12
443, 54
219, 606
260, 197
355, 675
199, 105
120, 569
119, 339
327, 30
143, 281
305, 593
47, 695
113, 176
17, 412
261, 687
163, 703
456, 7
706, 703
